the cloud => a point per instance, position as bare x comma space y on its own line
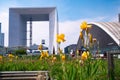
114, 19
71, 31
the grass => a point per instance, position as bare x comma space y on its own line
70, 69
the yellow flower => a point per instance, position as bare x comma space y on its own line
10, 55
1, 58
60, 38
84, 55
89, 26
81, 35
83, 26
44, 55
54, 59
16, 57
11, 59
63, 57
40, 47
90, 38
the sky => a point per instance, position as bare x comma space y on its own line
70, 12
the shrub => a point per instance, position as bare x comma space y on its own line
20, 52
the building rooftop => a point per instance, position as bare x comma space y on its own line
111, 28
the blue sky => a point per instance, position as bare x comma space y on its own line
72, 9
71, 13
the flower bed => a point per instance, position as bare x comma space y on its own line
59, 69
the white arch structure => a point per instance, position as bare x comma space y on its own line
111, 28
18, 18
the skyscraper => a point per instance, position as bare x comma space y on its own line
1, 37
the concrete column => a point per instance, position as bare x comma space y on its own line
13, 29
17, 30
56, 30
51, 30
23, 34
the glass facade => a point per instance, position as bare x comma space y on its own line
1, 37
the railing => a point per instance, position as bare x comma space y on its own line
24, 75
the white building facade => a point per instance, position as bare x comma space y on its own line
18, 18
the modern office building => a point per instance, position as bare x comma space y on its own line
107, 35
18, 18
1, 37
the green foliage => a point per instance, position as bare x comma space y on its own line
117, 69
20, 52
74, 69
